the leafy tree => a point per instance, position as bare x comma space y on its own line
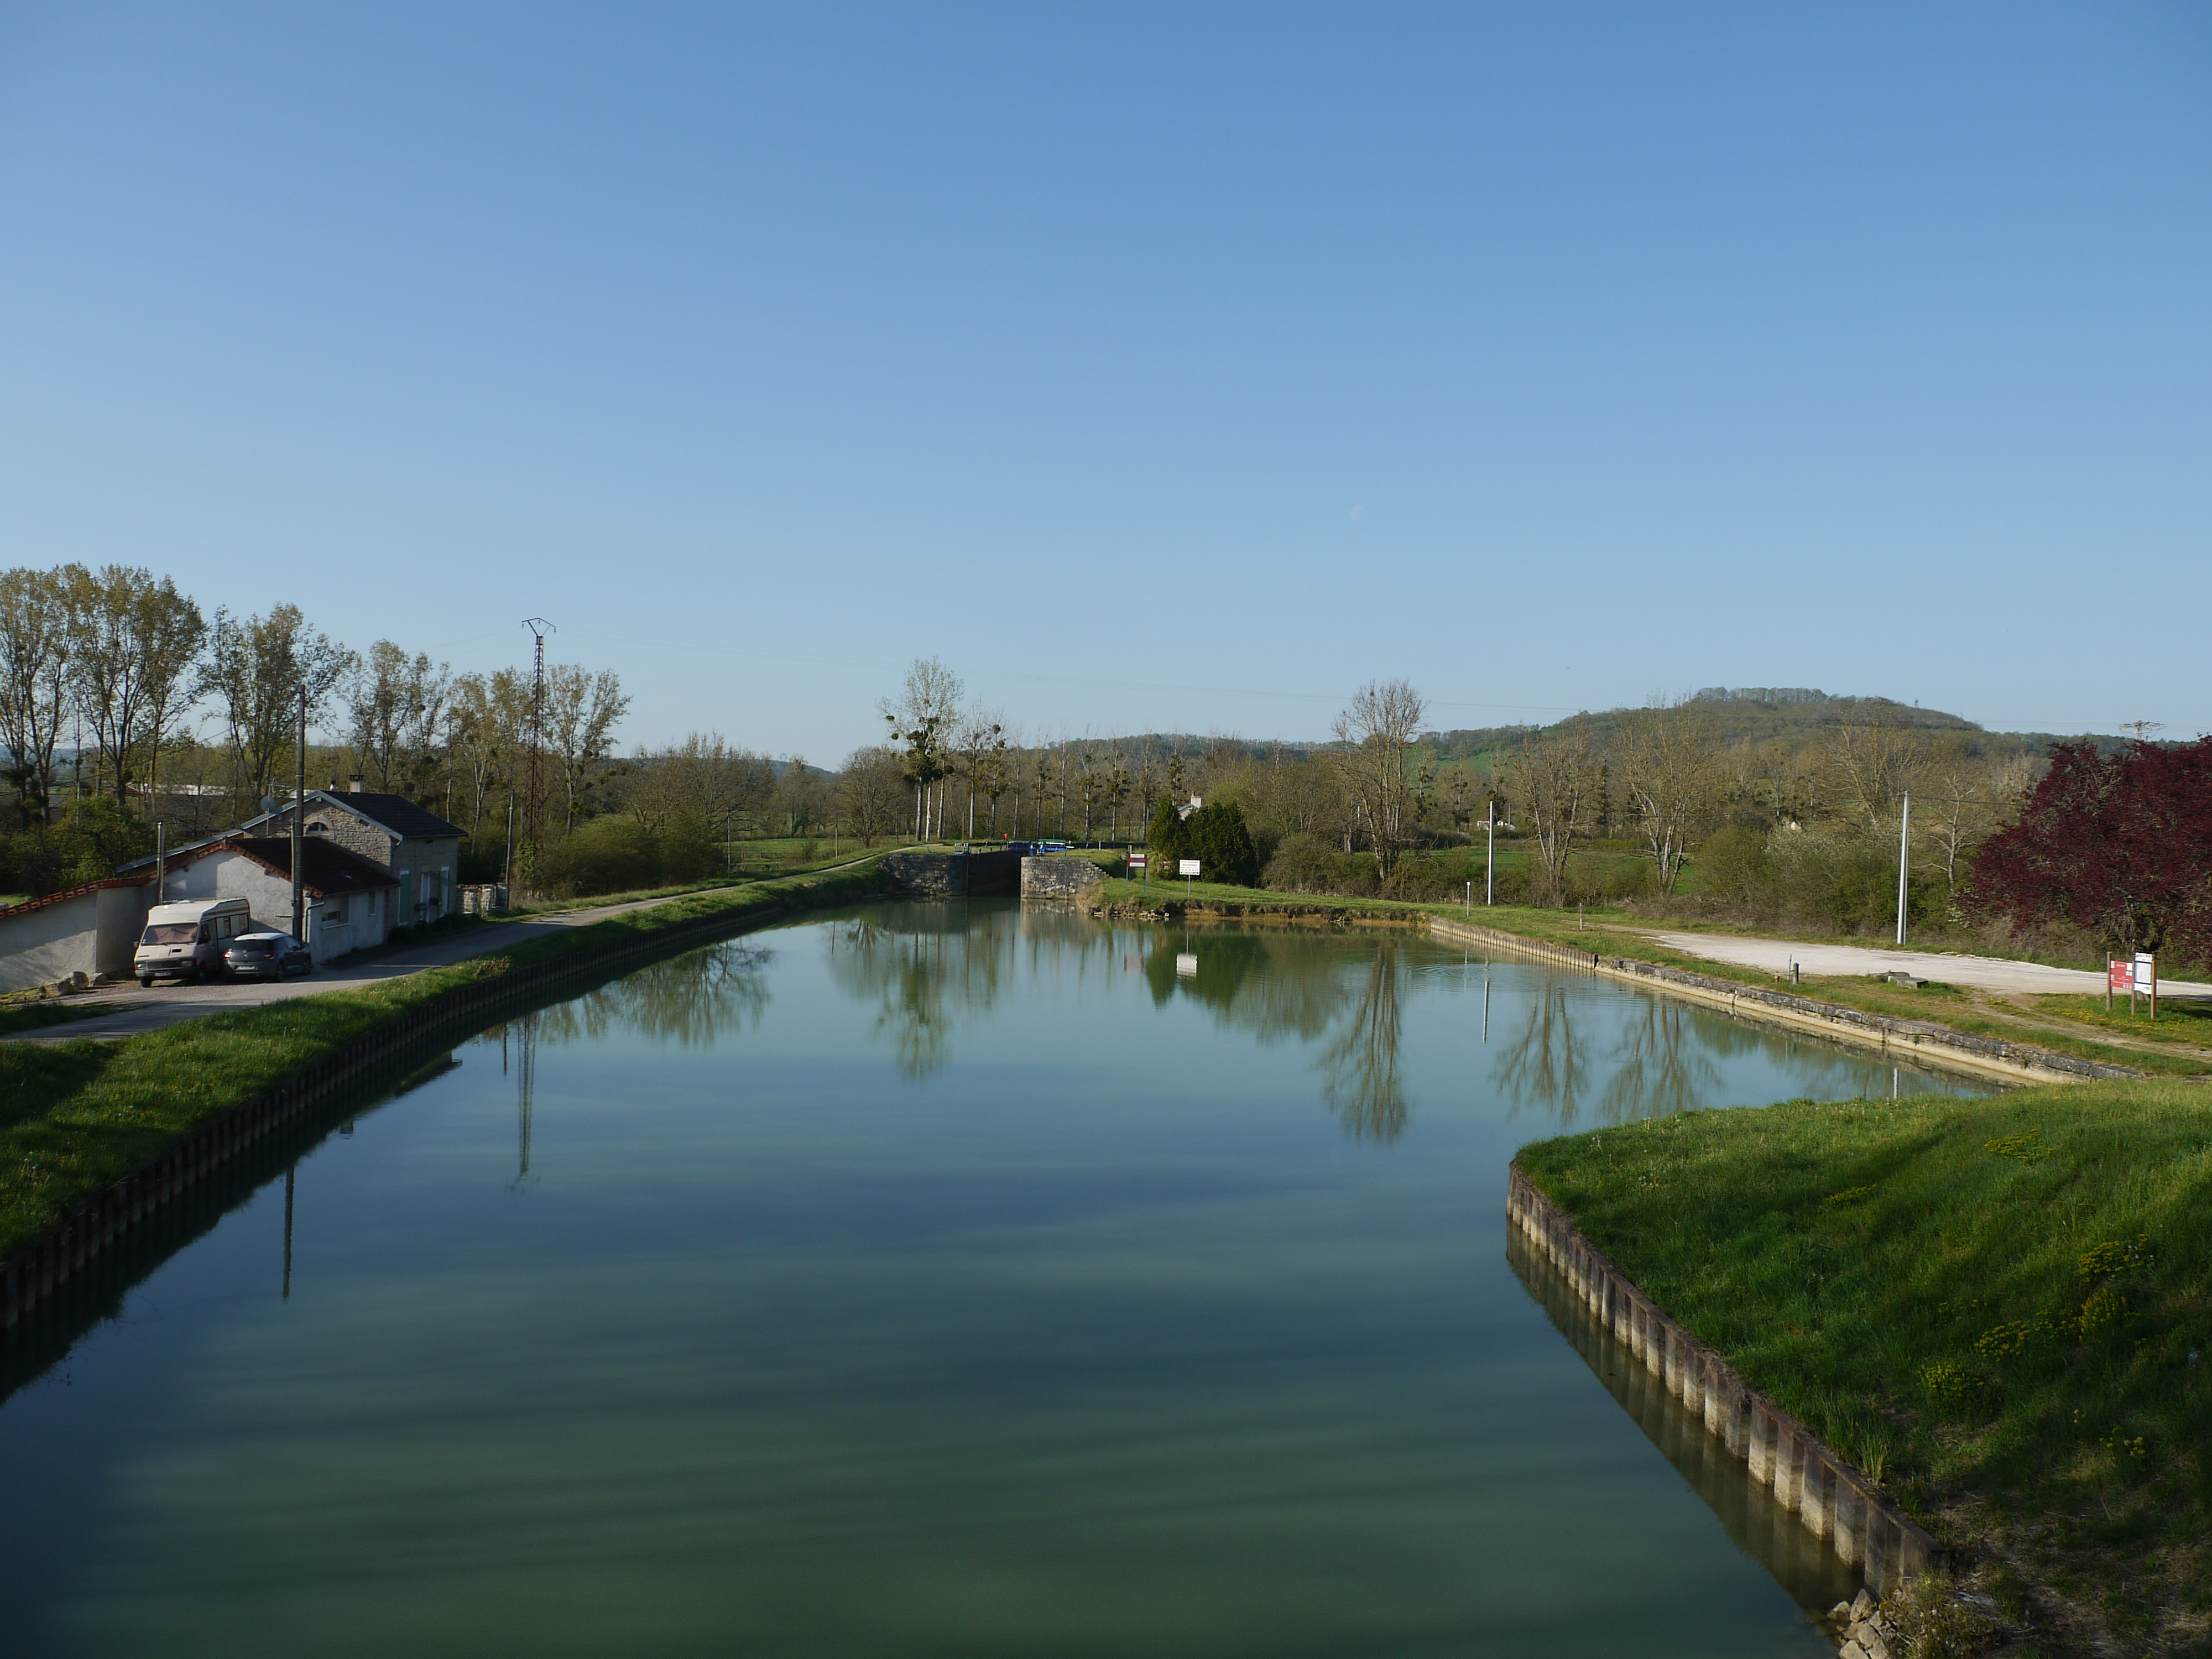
394, 704
254, 672
581, 711
1168, 838
33, 684
1219, 841
131, 641
2119, 844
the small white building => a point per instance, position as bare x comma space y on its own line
350, 900
86, 930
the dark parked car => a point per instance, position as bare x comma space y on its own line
267, 956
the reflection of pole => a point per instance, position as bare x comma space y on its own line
1485, 1002
525, 1088
290, 1175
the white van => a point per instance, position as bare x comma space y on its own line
187, 940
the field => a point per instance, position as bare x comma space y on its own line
2000, 1308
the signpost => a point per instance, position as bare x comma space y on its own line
2119, 976
2146, 980
1141, 862
1186, 868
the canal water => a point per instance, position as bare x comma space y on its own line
932, 1278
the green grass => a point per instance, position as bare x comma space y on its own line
34, 1016
2180, 1020
2003, 1306
77, 1116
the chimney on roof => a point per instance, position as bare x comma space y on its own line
353, 784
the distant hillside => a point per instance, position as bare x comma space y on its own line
1791, 717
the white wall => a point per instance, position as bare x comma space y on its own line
50, 943
233, 875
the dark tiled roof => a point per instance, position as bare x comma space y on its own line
401, 815
394, 814
325, 870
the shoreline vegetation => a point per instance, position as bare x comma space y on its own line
2067, 1025
77, 1116
1995, 1307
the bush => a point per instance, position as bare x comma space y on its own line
619, 854
1306, 864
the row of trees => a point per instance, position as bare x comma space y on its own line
116, 684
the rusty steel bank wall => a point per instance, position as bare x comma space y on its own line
1833, 1500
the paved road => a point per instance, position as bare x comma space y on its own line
136, 1009
1984, 973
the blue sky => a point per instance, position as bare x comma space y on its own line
1155, 367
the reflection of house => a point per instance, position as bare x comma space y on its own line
86, 930
420, 849
350, 899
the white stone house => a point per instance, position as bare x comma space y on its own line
420, 849
350, 900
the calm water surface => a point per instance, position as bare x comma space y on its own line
928, 1279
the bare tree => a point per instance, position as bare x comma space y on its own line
395, 704
1965, 800
1670, 758
980, 743
1372, 739
1550, 779
871, 790
922, 719
132, 640
255, 671
582, 712
1874, 757
34, 683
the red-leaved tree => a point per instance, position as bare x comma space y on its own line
2119, 844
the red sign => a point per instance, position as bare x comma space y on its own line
1136, 861
2121, 973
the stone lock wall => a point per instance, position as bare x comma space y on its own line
953, 875
1059, 877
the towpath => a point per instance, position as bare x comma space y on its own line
131, 1009
1997, 974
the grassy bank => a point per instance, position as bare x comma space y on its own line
2000, 1308
76, 1116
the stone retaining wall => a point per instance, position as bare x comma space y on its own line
1059, 877
953, 875
1930, 1044
1833, 1500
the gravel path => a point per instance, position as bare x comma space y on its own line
1838, 961
133, 1009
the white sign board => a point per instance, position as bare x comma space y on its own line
1186, 964
2146, 970
1188, 867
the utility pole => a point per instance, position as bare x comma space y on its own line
1904, 860
299, 826
533, 807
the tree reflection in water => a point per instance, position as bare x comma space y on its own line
1545, 1063
923, 976
692, 999
1361, 1079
